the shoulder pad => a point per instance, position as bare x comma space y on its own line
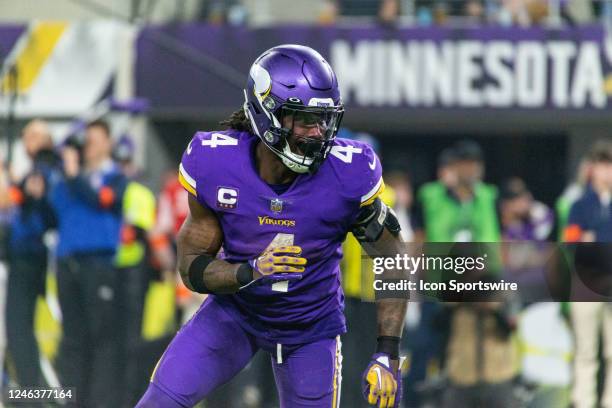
206, 154
358, 168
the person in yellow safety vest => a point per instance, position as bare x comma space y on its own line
138, 219
546, 351
132, 261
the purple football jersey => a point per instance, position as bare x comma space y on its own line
315, 213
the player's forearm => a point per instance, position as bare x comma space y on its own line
199, 270
390, 312
198, 242
390, 316
219, 276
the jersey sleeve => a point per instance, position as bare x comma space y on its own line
359, 170
372, 184
189, 171
205, 161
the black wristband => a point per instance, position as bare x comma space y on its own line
388, 345
244, 274
196, 273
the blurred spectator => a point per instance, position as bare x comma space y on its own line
123, 154
537, 11
571, 194
87, 201
523, 218
481, 356
5, 212
424, 16
588, 320
578, 11
424, 342
32, 217
523, 12
458, 207
475, 11
387, 11
133, 268
171, 213
361, 8
424, 339
224, 11
590, 220
173, 207
440, 13
445, 171
329, 12
526, 223
400, 183
545, 341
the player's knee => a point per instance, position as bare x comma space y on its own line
154, 397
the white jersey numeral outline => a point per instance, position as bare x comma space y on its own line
345, 153
219, 139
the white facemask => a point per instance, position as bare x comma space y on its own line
293, 166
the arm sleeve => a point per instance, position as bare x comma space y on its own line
188, 169
373, 184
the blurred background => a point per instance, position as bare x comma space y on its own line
491, 117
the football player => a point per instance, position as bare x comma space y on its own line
277, 192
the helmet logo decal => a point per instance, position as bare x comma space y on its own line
294, 100
262, 80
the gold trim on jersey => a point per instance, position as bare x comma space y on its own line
337, 374
187, 181
372, 194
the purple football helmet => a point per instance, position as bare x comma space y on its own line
288, 86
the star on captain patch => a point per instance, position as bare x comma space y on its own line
276, 205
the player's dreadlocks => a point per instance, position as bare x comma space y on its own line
238, 121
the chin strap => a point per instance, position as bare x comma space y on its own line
289, 159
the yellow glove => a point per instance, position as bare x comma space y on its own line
380, 386
277, 265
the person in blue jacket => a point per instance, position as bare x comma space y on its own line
87, 198
31, 217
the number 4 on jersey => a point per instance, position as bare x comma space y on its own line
219, 139
345, 153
